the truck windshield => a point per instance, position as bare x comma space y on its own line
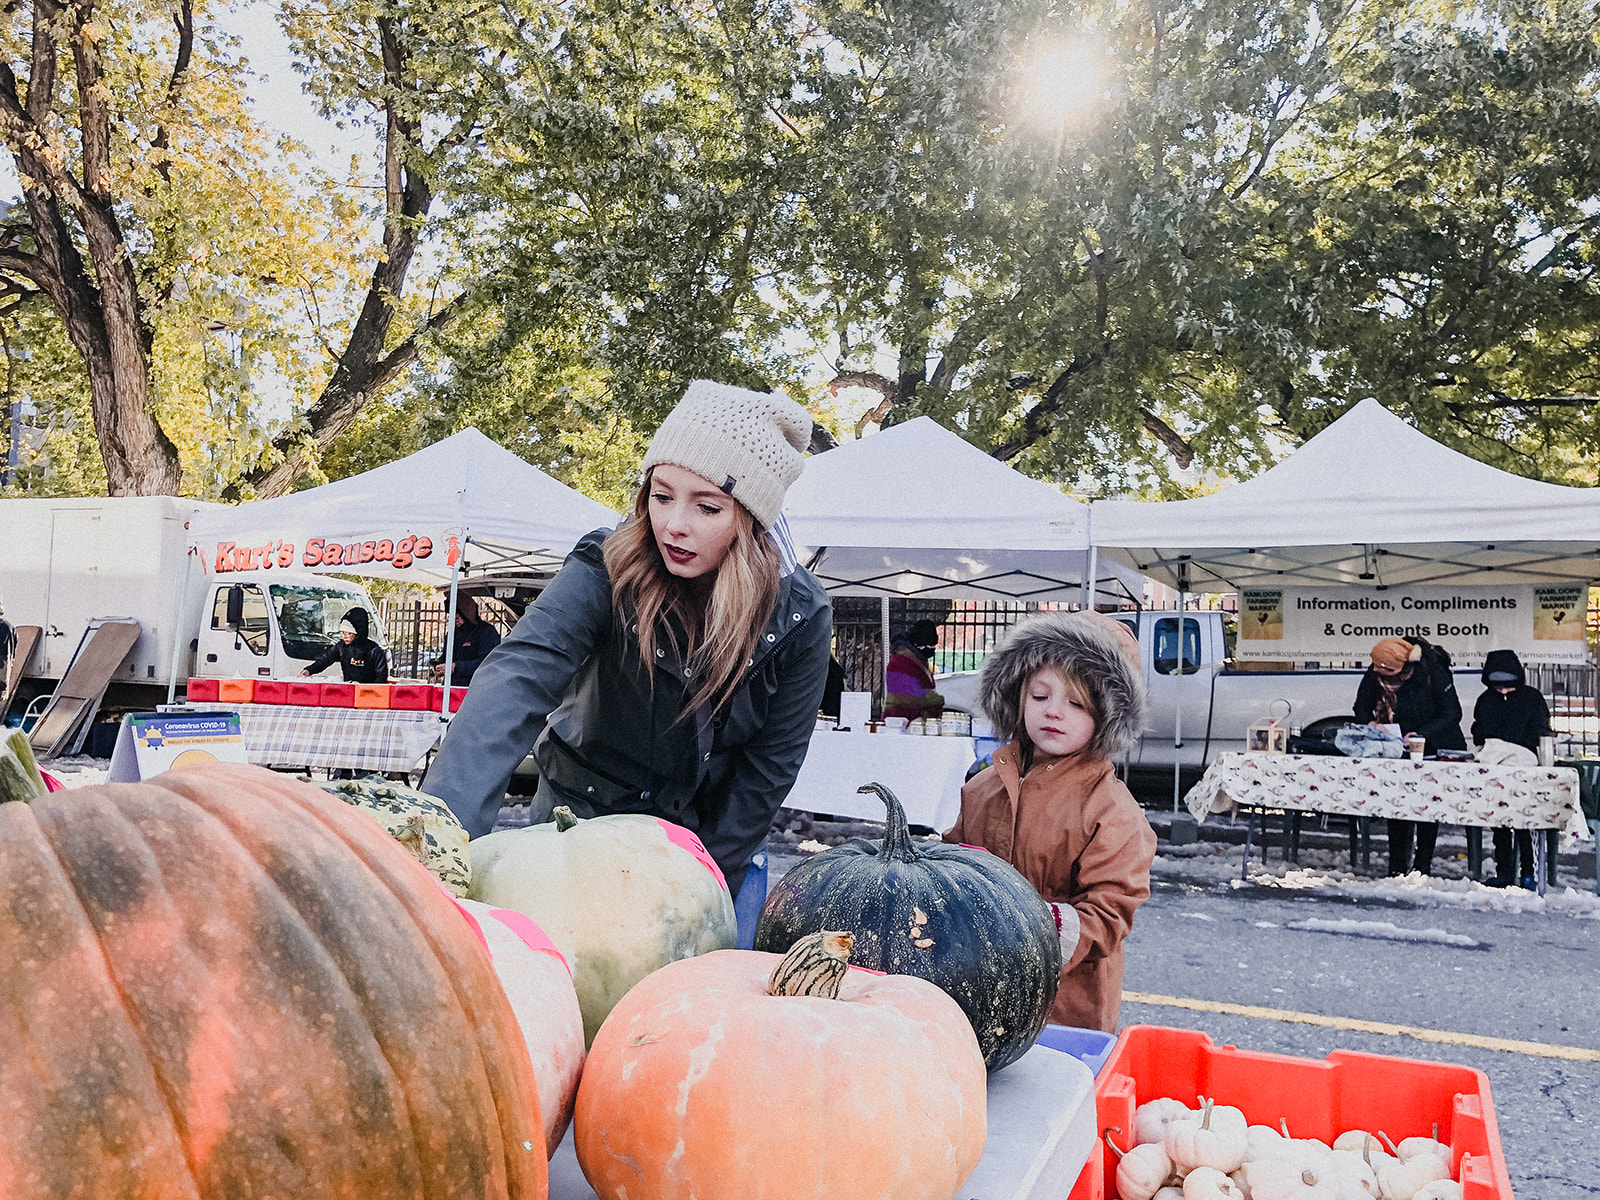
309, 617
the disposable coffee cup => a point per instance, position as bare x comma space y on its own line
1416, 747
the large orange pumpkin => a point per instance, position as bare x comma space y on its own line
226, 983
700, 1084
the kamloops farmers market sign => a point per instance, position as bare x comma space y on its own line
1541, 623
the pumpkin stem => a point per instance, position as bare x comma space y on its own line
1389, 1142
563, 818
1308, 1177
1436, 1133
1205, 1111
814, 966
897, 843
19, 773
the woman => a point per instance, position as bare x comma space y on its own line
360, 659
1510, 710
672, 667
1409, 684
908, 678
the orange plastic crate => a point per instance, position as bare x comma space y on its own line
305, 692
1347, 1090
272, 691
201, 690
337, 695
236, 691
372, 695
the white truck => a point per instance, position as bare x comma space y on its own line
1201, 702
65, 563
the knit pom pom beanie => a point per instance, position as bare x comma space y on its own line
749, 444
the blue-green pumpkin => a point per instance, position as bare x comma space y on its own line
956, 916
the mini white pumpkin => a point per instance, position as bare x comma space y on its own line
1412, 1146
1208, 1183
1218, 1139
1150, 1119
1142, 1170
1403, 1180
1440, 1189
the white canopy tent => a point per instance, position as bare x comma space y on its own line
915, 511
1369, 501
465, 487
462, 503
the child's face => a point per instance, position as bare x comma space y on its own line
1055, 714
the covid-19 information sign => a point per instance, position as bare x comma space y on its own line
1542, 623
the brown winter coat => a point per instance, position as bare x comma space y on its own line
1073, 830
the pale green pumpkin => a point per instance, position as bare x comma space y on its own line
621, 895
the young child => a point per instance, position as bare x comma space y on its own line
1065, 692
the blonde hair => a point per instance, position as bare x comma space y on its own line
722, 632
1076, 688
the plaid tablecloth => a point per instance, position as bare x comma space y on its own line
1456, 793
364, 739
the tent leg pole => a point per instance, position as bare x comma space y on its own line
1177, 708
883, 622
1088, 579
177, 629
450, 632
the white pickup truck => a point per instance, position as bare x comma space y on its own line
1201, 704
67, 562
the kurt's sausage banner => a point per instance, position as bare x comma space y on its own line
1543, 623
410, 519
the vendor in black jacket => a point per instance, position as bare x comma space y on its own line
1512, 711
360, 658
475, 637
1409, 684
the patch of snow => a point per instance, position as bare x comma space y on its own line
1386, 930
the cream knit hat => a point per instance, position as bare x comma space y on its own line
747, 443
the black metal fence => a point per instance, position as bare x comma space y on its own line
415, 632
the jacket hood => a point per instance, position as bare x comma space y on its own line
1503, 661
358, 618
1078, 645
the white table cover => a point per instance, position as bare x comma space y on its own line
1456, 793
924, 773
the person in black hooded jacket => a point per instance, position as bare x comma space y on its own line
360, 658
1512, 711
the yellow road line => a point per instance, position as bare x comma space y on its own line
1509, 1045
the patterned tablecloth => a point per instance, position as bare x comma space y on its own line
363, 739
1456, 793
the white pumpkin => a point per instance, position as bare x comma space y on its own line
1440, 1189
539, 986
1143, 1171
1150, 1119
621, 895
1218, 1139
1403, 1180
1208, 1183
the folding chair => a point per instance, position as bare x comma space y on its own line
73, 704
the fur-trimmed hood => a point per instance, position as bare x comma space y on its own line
1080, 644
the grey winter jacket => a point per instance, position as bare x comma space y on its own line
569, 675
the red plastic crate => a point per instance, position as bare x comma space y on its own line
457, 695
372, 695
201, 691
305, 692
413, 696
236, 691
1347, 1090
272, 691
338, 695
